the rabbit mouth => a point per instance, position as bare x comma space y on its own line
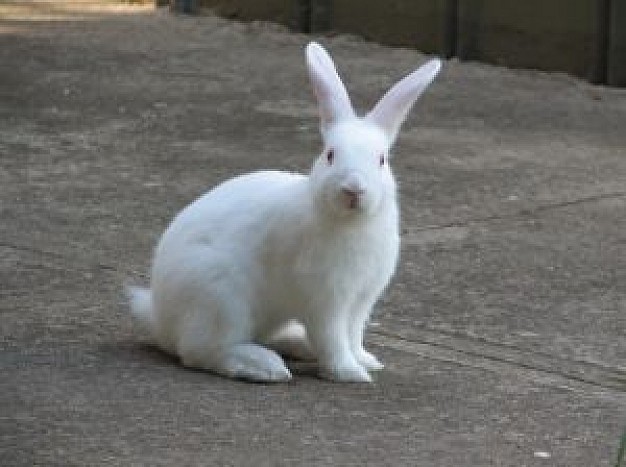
352, 201
344, 203
351, 204
352, 195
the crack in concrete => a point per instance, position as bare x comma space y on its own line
51, 255
521, 213
503, 359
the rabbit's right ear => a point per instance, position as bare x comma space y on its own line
332, 98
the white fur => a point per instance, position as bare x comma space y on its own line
269, 249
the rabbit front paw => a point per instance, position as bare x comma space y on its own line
346, 374
369, 361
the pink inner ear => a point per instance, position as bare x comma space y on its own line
332, 98
393, 107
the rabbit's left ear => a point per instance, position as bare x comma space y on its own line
394, 106
332, 98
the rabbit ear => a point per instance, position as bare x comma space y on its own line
332, 97
394, 106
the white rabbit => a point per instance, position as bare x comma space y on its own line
268, 249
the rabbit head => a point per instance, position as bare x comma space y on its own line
352, 174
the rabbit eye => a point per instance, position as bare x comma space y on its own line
382, 160
330, 156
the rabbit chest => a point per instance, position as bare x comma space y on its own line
323, 266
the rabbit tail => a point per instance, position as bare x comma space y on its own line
141, 308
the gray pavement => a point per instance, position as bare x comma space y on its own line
503, 331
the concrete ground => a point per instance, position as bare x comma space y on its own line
503, 331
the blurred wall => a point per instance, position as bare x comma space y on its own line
586, 38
